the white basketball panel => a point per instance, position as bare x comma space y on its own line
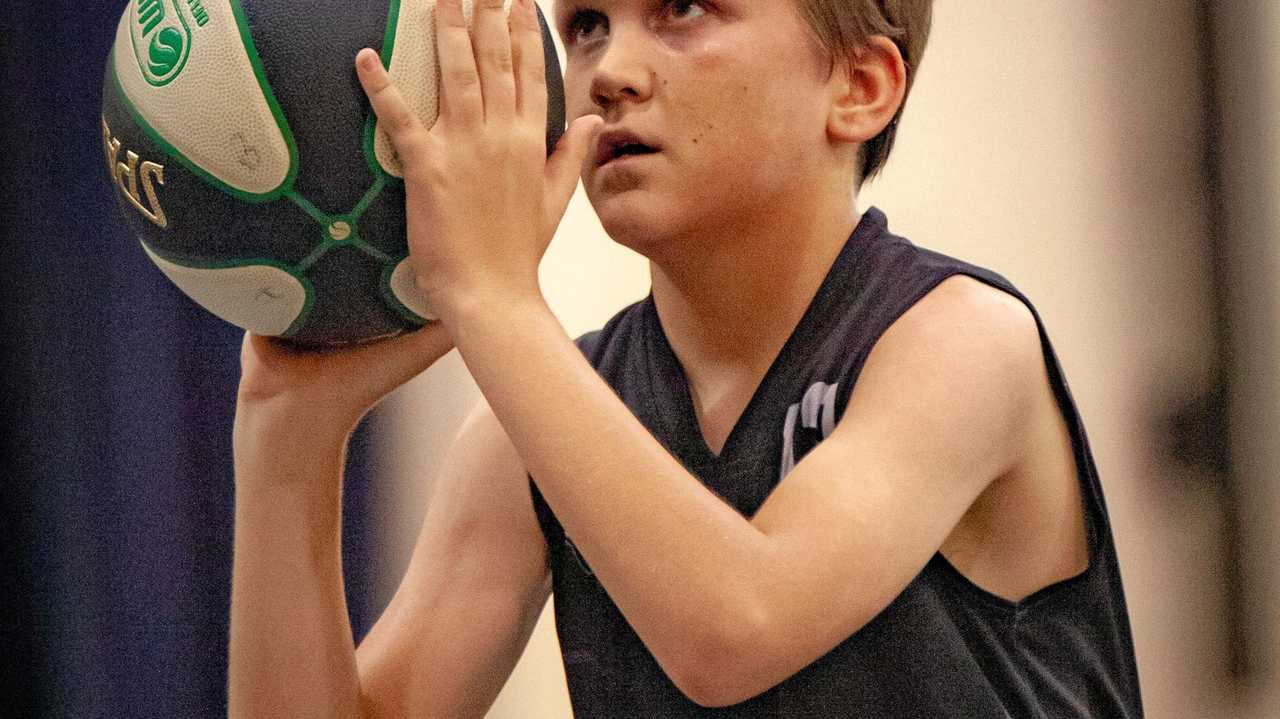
406, 291
213, 112
261, 298
415, 71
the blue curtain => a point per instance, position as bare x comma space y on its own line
118, 395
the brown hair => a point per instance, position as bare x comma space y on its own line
843, 27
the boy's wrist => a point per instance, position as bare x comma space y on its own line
303, 415
460, 307
280, 430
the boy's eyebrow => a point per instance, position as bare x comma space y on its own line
562, 10
564, 7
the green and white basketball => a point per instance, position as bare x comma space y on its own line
250, 167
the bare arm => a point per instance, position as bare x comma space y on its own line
291, 651
477, 581
939, 412
475, 584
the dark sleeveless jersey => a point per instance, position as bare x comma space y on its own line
944, 647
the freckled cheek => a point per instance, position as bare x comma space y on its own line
758, 144
707, 96
736, 117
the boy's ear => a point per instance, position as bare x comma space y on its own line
867, 91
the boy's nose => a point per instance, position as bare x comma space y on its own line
621, 74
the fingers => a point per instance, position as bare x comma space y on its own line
491, 40
398, 119
266, 349
491, 72
391, 362
461, 101
529, 61
343, 379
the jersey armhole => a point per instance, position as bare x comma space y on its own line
1097, 534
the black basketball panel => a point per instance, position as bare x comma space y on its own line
383, 222
325, 244
348, 303
555, 87
179, 213
308, 57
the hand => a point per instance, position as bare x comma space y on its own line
483, 199
337, 385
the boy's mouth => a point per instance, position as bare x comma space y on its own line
618, 144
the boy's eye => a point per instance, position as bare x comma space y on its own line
585, 26
683, 9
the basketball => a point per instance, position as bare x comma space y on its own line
247, 162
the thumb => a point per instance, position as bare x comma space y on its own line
565, 164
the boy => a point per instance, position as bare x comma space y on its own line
818, 472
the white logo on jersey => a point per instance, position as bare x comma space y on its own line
816, 411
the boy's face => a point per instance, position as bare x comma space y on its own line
714, 111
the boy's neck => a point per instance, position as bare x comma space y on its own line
732, 307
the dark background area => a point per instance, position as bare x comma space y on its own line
118, 396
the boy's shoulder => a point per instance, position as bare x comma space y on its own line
877, 278
625, 326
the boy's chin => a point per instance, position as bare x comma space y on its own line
661, 232
629, 218
636, 236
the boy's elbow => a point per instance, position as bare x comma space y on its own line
729, 666
715, 690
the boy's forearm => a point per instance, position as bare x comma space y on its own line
291, 649
612, 485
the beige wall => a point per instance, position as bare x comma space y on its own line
1060, 151
1059, 144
